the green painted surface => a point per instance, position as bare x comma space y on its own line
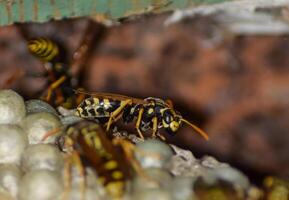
3, 15
101, 6
12, 11
26, 8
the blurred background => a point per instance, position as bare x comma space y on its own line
231, 80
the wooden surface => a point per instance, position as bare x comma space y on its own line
12, 11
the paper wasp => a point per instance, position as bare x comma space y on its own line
150, 113
63, 74
86, 143
59, 79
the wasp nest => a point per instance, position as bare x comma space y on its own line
12, 107
42, 156
40, 184
37, 125
32, 166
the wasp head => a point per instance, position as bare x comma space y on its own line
171, 121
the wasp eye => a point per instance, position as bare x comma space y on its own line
167, 117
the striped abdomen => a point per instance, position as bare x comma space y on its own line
98, 151
44, 49
97, 107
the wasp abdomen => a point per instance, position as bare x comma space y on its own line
44, 49
98, 152
97, 107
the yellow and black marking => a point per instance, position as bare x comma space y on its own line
96, 150
60, 83
97, 107
277, 188
44, 49
150, 113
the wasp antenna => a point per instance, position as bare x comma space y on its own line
80, 91
76, 91
200, 131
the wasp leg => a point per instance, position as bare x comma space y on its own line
138, 122
80, 169
117, 112
67, 178
155, 126
73, 160
161, 137
53, 86
129, 150
52, 132
68, 143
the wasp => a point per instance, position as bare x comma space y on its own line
149, 113
64, 73
57, 72
276, 188
113, 161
